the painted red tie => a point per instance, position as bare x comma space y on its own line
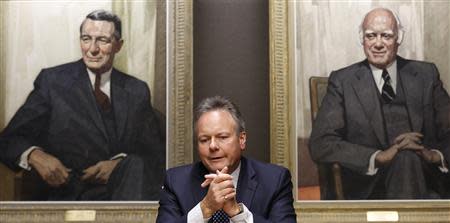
101, 98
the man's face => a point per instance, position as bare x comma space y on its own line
380, 38
98, 45
219, 145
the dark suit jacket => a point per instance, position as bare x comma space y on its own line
61, 116
265, 189
349, 126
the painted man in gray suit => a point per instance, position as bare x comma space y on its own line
385, 120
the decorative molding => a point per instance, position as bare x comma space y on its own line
2, 63
56, 212
281, 121
307, 212
356, 211
180, 76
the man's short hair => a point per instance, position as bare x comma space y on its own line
103, 15
219, 103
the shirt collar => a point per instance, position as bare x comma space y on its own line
235, 175
391, 69
104, 78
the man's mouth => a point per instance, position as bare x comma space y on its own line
94, 59
215, 158
378, 53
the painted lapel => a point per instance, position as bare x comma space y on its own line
363, 85
83, 88
413, 89
119, 100
247, 183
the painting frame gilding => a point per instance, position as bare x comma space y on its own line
283, 138
179, 130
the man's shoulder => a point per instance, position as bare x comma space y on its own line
415, 64
60, 73
126, 76
184, 169
130, 83
266, 169
65, 66
351, 69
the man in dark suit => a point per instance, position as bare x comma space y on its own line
88, 129
225, 186
385, 120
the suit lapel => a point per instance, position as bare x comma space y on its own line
363, 85
247, 183
119, 100
198, 173
83, 88
413, 89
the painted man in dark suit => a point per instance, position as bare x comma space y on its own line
88, 129
225, 186
385, 120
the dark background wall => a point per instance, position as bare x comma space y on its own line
231, 58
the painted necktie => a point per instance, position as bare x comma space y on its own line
101, 98
387, 92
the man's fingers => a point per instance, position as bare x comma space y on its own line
62, 171
100, 177
399, 139
407, 143
224, 170
227, 191
210, 176
222, 179
412, 146
89, 173
415, 136
217, 177
229, 196
206, 183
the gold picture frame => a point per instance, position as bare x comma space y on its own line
283, 141
179, 147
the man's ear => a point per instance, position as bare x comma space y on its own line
119, 46
242, 140
400, 35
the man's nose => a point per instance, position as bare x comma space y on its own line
213, 145
93, 48
379, 42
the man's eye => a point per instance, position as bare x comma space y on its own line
370, 36
103, 41
85, 39
387, 36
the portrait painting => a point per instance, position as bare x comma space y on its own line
326, 38
38, 35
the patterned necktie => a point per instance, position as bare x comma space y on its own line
219, 217
387, 91
101, 98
